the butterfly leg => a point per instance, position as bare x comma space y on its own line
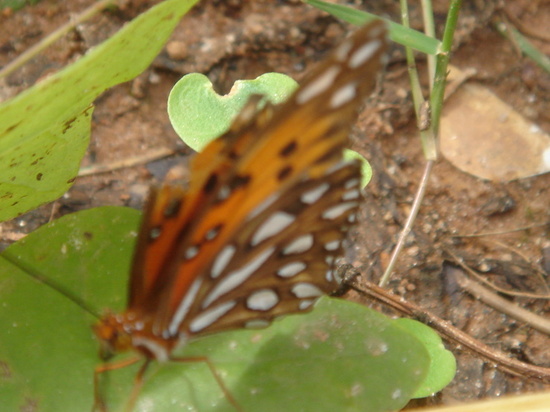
99, 404
216, 376
138, 383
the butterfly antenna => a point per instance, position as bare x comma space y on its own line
29, 270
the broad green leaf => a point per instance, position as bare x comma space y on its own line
443, 363
341, 356
44, 131
47, 341
199, 115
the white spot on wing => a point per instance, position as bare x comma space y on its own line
318, 85
338, 210
237, 277
299, 245
183, 307
334, 245
305, 304
313, 195
291, 269
343, 95
155, 233
306, 290
337, 166
273, 225
263, 299
221, 261
256, 324
352, 183
341, 52
350, 195
224, 192
212, 233
191, 252
364, 53
208, 317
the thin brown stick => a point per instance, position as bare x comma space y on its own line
501, 304
459, 261
151, 155
501, 359
538, 271
504, 232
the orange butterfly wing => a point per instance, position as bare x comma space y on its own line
256, 233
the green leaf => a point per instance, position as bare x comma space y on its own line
47, 344
524, 45
42, 169
366, 170
341, 356
44, 131
199, 115
443, 363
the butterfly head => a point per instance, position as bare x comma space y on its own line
112, 336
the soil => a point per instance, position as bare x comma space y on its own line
238, 39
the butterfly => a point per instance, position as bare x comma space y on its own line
257, 232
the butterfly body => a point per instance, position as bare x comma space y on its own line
256, 234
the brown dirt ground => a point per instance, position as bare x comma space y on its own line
234, 39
